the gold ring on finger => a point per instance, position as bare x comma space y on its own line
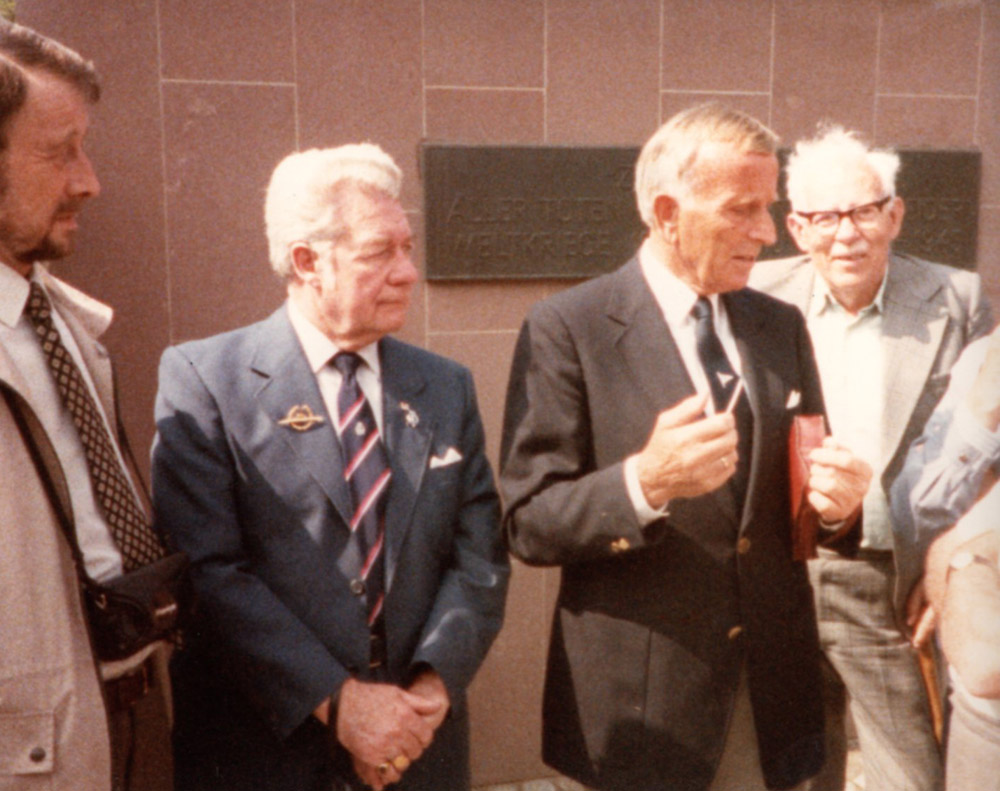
383, 768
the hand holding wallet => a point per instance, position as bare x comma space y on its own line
807, 433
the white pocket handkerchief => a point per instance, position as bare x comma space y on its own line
450, 457
794, 399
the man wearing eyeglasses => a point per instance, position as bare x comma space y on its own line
886, 328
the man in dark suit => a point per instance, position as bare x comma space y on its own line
887, 328
330, 486
684, 652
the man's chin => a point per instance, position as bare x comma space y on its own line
48, 250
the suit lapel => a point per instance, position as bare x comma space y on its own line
913, 327
644, 341
408, 444
650, 353
763, 391
288, 383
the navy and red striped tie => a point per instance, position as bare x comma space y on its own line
366, 470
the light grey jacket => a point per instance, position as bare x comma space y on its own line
932, 312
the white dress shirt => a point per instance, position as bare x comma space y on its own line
850, 357
320, 351
101, 557
676, 299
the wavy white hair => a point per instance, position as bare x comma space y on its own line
303, 202
836, 147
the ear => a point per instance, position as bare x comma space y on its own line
897, 209
304, 260
797, 228
665, 211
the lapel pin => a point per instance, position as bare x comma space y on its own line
359, 429
412, 418
301, 418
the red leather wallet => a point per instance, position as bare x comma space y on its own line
807, 433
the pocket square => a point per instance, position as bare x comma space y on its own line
794, 399
450, 456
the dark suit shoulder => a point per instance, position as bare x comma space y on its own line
396, 352
593, 295
759, 303
225, 346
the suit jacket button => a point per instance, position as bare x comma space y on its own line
620, 545
735, 632
743, 545
358, 587
37, 755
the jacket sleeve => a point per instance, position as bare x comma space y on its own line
284, 671
468, 608
559, 508
947, 465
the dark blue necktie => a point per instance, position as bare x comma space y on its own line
722, 380
721, 376
366, 470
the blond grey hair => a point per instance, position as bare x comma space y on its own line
666, 162
305, 195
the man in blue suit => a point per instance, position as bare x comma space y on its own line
330, 486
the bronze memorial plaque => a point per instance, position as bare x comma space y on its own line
499, 212
528, 211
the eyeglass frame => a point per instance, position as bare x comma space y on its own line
878, 205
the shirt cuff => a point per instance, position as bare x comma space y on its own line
644, 512
973, 434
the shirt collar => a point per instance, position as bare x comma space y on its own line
675, 297
319, 349
822, 298
14, 290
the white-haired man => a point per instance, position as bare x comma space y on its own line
684, 652
886, 329
330, 486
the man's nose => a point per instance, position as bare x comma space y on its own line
764, 230
847, 228
404, 270
83, 181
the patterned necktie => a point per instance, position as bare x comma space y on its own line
721, 376
130, 531
366, 470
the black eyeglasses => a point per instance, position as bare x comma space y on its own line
864, 216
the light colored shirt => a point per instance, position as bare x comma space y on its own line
320, 351
850, 357
676, 299
101, 557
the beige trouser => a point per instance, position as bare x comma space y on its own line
739, 769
